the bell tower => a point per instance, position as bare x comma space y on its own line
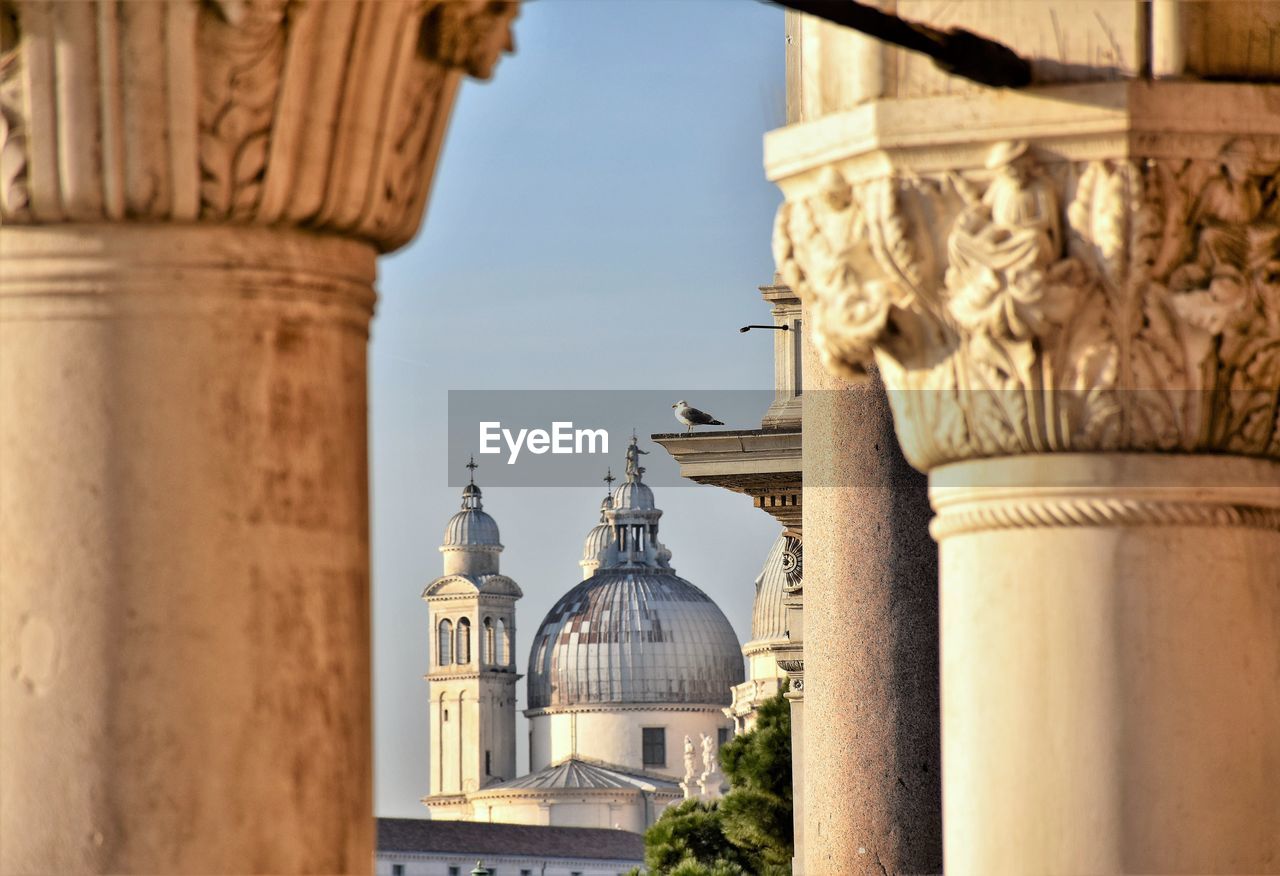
472, 680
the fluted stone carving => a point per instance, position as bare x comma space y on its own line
1042, 304
192, 197
320, 115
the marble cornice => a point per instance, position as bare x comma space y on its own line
1101, 119
491, 674
318, 115
1085, 268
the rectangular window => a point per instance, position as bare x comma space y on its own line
455, 871
654, 742
488, 764
526, 873
397, 870
723, 736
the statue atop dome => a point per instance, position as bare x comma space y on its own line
634, 469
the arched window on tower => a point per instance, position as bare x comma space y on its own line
490, 655
504, 645
444, 642
464, 641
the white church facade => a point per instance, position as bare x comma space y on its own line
635, 677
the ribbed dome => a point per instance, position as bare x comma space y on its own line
633, 495
633, 635
471, 525
599, 538
768, 617
471, 528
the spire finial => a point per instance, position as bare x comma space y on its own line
471, 493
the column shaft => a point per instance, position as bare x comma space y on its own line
185, 624
1110, 648
872, 780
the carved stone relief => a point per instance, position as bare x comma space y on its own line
793, 564
1033, 306
13, 145
322, 115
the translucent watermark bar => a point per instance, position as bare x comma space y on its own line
571, 438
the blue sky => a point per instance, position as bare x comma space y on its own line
599, 220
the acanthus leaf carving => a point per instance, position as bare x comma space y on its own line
1025, 307
322, 115
14, 196
245, 52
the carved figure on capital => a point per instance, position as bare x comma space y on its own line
1003, 246
1031, 307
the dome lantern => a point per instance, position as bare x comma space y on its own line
634, 520
471, 542
600, 538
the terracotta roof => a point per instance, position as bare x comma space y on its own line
483, 838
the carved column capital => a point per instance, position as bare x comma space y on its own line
1085, 269
313, 114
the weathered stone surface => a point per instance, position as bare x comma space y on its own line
185, 622
192, 197
1071, 294
872, 771
1021, 299
322, 115
1111, 632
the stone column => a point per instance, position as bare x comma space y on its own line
795, 696
1071, 294
872, 776
193, 196
791, 661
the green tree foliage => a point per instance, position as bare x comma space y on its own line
689, 840
760, 759
748, 831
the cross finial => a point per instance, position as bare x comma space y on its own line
472, 465
609, 479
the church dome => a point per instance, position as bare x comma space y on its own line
599, 538
633, 632
779, 576
601, 535
634, 635
471, 526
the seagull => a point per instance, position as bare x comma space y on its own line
691, 416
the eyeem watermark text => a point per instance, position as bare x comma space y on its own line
562, 438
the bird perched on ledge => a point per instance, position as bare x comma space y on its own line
691, 416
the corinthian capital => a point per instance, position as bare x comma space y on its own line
307, 113
1110, 281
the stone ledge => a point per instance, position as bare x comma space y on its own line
1110, 119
